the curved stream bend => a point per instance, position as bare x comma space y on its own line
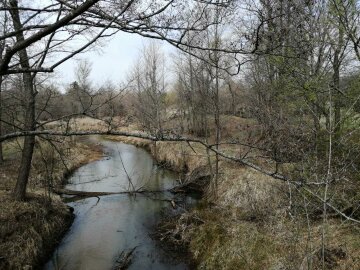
103, 228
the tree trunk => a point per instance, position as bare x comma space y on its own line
337, 97
29, 95
341, 45
217, 125
232, 93
217, 105
29, 141
1, 146
2, 48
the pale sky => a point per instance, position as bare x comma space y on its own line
113, 62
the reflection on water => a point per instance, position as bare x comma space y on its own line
103, 228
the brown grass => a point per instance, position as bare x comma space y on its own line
177, 156
30, 230
249, 225
79, 123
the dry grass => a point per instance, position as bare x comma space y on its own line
254, 194
249, 224
30, 230
177, 156
79, 123
224, 240
48, 163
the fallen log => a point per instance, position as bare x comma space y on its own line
79, 195
63, 191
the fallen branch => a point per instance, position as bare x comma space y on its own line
63, 191
78, 195
124, 259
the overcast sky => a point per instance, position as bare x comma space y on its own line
112, 62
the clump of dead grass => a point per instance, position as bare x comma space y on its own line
30, 229
251, 192
249, 225
219, 238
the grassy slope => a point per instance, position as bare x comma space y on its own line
248, 225
30, 230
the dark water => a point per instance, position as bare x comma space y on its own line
104, 228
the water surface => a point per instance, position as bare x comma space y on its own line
103, 228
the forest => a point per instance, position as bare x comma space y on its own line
239, 149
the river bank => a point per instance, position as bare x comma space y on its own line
107, 226
216, 232
30, 230
249, 224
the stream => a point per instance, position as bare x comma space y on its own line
104, 227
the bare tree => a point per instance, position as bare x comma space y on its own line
30, 94
150, 85
150, 19
4, 22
